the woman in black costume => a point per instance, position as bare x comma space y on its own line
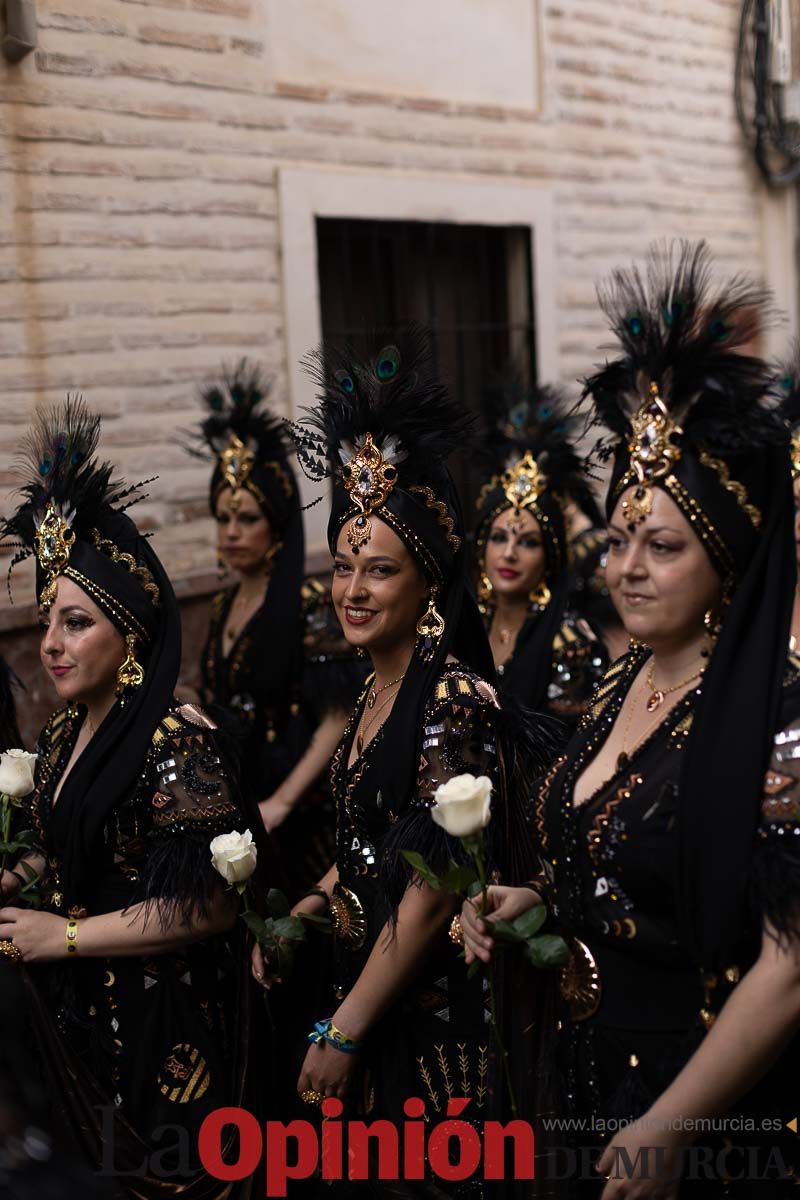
672, 823
275, 656
134, 965
546, 657
402, 1001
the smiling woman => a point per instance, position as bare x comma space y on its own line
134, 958
403, 1008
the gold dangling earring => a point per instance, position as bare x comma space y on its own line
130, 674
540, 596
712, 624
430, 628
484, 589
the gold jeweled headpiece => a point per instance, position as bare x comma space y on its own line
235, 463
524, 482
653, 452
53, 542
368, 478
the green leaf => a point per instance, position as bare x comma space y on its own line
547, 952
255, 924
422, 869
505, 929
474, 889
530, 922
277, 904
458, 878
289, 927
473, 968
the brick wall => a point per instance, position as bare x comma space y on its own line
139, 239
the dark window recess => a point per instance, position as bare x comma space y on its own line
471, 284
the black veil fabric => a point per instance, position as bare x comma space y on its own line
732, 734
109, 768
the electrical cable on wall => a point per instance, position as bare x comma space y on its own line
767, 97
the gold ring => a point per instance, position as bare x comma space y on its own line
456, 932
311, 1096
10, 951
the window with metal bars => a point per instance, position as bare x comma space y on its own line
470, 284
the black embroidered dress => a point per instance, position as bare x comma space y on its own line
434, 1043
636, 1004
161, 1038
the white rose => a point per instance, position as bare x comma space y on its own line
16, 773
463, 805
234, 855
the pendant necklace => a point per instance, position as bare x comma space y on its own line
656, 697
374, 692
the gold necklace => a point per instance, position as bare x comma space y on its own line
657, 695
364, 729
373, 693
624, 756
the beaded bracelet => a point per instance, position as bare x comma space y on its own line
326, 1031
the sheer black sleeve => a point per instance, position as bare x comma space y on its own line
193, 799
459, 737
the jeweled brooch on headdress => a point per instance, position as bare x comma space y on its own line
368, 477
236, 462
653, 453
523, 482
53, 542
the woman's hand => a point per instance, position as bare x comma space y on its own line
326, 1070
39, 936
259, 965
274, 811
642, 1162
502, 904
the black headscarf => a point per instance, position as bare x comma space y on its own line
387, 396
788, 390
532, 465
693, 417
71, 518
251, 453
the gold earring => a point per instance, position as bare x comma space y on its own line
540, 596
130, 674
485, 589
430, 628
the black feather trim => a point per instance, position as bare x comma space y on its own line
236, 404
59, 467
679, 329
788, 386
388, 387
775, 885
178, 880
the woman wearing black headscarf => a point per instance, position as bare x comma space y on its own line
546, 657
274, 656
672, 823
133, 963
403, 1003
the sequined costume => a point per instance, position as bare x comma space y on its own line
163, 1037
435, 1042
636, 1004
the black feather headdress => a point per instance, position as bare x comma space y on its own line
686, 402
383, 429
693, 415
72, 518
529, 454
247, 442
